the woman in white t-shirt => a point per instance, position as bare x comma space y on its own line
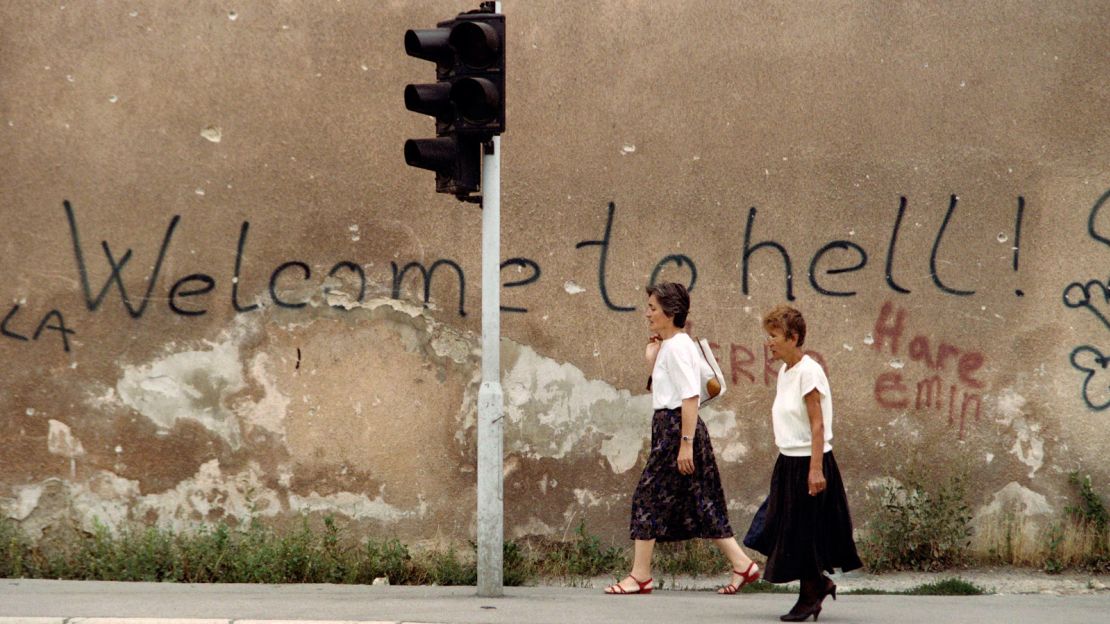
679, 495
807, 529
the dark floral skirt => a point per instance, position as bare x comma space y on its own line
803, 535
669, 506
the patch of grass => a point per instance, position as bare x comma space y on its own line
389, 558
919, 527
15, 551
253, 553
315, 551
517, 567
1012, 539
584, 555
869, 591
946, 587
1055, 537
763, 587
1091, 512
693, 557
1092, 521
312, 551
445, 568
1080, 539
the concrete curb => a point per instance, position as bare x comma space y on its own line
117, 620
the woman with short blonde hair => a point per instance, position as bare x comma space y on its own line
807, 529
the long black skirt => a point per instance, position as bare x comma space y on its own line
803, 535
669, 506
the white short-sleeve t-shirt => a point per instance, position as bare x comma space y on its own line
676, 375
789, 415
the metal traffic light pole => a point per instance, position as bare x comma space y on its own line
491, 506
491, 503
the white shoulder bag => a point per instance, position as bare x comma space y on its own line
712, 379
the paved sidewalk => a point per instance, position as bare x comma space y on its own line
1004, 580
94, 602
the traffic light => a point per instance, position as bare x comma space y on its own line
467, 99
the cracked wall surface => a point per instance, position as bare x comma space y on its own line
224, 294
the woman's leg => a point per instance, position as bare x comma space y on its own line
740, 561
642, 551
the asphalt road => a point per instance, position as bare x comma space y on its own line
72, 601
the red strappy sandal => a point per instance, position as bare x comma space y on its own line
644, 587
750, 576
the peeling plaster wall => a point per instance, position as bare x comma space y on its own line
224, 294
551, 410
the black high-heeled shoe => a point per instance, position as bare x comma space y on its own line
801, 613
810, 596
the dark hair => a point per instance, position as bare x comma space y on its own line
787, 320
673, 299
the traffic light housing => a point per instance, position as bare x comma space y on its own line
467, 100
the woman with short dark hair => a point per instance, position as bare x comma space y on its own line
807, 529
679, 495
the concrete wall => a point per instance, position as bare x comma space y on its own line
207, 223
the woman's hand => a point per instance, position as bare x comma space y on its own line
690, 424
816, 481
686, 457
652, 349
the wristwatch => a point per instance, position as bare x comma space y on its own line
686, 438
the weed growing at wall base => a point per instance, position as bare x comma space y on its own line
917, 528
15, 550
256, 553
1083, 539
1092, 512
1080, 539
693, 557
945, 587
582, 556
253, 553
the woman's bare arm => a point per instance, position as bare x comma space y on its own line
817, 448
